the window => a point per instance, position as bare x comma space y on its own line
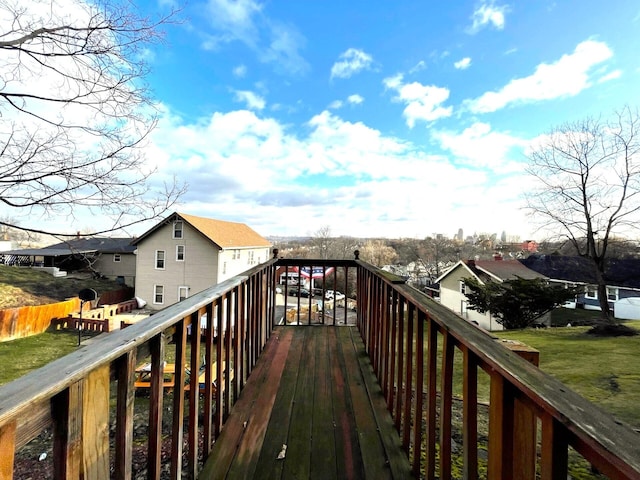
158, 294
116, 257
160, 259
235, 255
177, 229
224, 268
250, 259
591, 292
463, 287
183, 292
179, 253
612, 294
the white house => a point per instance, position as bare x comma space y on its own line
185, 254
453, 288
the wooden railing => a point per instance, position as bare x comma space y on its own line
429, 361
88, 398
534, 421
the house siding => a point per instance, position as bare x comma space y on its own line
204, 264
198, 270
125, 268
451, 298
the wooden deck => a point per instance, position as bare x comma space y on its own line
312, 409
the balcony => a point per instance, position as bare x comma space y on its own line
386, 386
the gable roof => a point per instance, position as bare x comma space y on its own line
224, 234
619, 272
504, 270
80, 246
494, 270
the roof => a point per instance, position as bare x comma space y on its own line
619, 272
504, 270
222, 233
80, 246
495, 270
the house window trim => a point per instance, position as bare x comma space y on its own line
164, 260
181, 229
155, 294
117, 258
178, 259
616, 294
587, 292
462, 287
183, 288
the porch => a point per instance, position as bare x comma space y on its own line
312, 408
429, 365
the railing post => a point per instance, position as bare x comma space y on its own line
66, 408
7, 450
95, 424
524, 421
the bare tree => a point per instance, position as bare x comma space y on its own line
588, 192
378, 253
76, 113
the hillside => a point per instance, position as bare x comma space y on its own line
20, 286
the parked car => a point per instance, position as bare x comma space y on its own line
333, 295
299, 291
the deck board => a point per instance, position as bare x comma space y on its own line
314, 391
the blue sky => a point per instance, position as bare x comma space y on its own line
392, 119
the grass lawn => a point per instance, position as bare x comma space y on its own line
23, 355
605, 370
21, 286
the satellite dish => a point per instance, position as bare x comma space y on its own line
87, 294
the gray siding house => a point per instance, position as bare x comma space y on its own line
185, 254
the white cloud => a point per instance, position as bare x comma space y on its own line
479, 146
421, 65
336, 105
245, 21
488, 14
355, 99
423, 102
566, 77
252, 99
234, 20
351, 62
240, 71
463, 63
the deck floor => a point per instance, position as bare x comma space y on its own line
311, 409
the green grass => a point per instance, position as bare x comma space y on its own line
21, 356
21, 286
605, 370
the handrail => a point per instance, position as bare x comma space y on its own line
394, 320
73, 393
412, 342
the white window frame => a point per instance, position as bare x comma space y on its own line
178, 247
224, 268
613, 294
235, 254
117, 257
185, 289
250, 259
158, 291
463, 287
180, 229
591, 292
159, 260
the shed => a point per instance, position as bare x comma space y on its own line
627, 308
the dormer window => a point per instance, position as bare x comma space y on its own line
177, 229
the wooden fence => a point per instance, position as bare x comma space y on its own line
23, 322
